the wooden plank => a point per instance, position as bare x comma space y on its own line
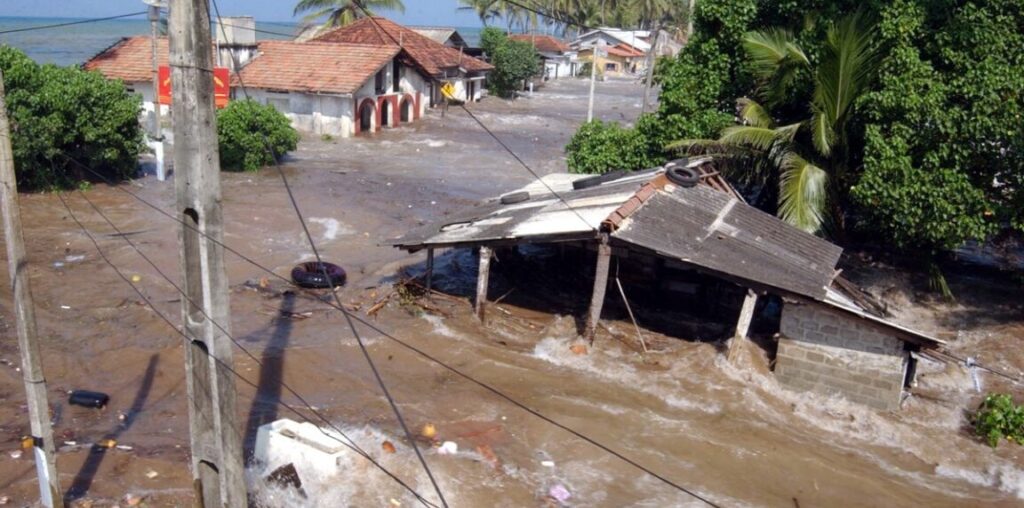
743, 323
481, 281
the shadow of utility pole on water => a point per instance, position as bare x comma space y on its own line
83, 480
264, 408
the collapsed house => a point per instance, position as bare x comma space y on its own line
828, 342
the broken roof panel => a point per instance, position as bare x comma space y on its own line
698, 225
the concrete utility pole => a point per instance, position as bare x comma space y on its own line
594, 53
154, 20
650, 66
217, 469
25, 318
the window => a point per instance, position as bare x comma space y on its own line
396, 76
611, 66
378, 82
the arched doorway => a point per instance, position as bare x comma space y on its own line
367, 112
386, 114
406, 110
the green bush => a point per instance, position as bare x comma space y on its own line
244, 130
997, 418
62, 117
513, 61
600, 147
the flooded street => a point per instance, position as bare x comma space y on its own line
725, 431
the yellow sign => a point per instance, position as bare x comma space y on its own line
448, 89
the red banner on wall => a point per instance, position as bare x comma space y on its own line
221, 86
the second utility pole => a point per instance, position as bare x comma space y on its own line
217, 470
25, 318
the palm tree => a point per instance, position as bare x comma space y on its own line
342, 12
808, 160
487, 10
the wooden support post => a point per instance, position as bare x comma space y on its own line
430, 270
481, 281
743, 323
50, 494
217, 467
604, 255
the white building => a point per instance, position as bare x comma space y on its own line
560, 60
334, 88
131, 61
436, 63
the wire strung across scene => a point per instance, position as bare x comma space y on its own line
348, 442
70, 23
348, 317
270, 272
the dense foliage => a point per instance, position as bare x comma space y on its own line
247, 132
998, 418
336, 13
566, 14
513, 61
63, 118
600, 147
933, 149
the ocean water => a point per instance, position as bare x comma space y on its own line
73, 45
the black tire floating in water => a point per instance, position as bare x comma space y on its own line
88, 399
311, 275
515, 197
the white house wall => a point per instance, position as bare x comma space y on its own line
317, 114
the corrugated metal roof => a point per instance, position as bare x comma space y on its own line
709, 228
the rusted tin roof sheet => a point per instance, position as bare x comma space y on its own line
713, 230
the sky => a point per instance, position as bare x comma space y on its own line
417, 12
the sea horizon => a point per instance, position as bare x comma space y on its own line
75, 44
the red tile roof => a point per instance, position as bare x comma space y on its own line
130, 59
625, 50
432, 58
543, 43
314, 66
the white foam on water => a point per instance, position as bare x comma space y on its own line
1002, 476
332, 228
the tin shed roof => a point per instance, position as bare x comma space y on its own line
697, 225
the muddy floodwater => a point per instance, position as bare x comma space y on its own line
724, 430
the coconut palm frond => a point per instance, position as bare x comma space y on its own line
753, 114
767, 49
787, 133
803, 188
849, 63
822, 133
758, 138
686, 144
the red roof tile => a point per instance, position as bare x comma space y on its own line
314, 66
625, 50
432, 58
130, 59
543, 43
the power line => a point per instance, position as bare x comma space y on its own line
351, 444
337, 299
393, 338
69, 24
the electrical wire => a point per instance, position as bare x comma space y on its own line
351, 444
70, 23
395, 339
348, 317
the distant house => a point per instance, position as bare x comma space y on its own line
420, 59
131, 61
334, 88
443, 35
635, 39
559, 58
622, 60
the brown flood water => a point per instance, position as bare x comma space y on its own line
726, 431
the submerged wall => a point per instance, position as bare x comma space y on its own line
829, 352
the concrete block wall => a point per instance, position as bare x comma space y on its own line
826, 351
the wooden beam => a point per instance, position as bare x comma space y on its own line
604, 254
430, 270
743, 323
481, 281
